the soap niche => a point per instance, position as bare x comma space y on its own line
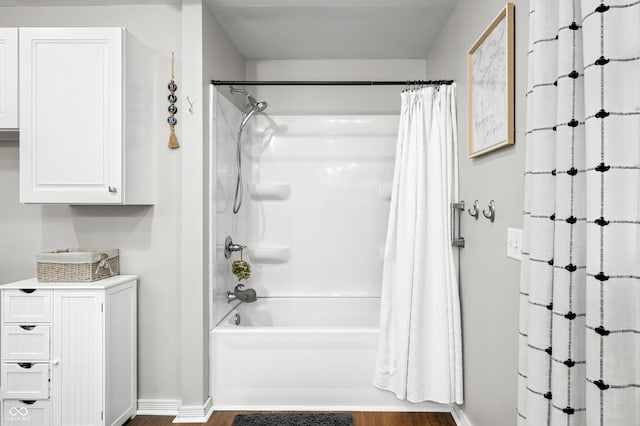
269, 191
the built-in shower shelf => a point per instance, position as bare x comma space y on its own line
269, 254
384, 190
269, 191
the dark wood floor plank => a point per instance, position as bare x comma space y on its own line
225, 418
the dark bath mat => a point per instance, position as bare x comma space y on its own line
293, 419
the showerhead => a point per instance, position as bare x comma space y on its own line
253, 106
257, 106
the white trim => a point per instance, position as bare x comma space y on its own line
194, 413
436, 408
158, 407
459, 416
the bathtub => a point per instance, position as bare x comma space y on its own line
301, 354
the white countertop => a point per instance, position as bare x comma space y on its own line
32, 283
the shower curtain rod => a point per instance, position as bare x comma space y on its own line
330, 83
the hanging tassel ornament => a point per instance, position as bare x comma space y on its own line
173, 109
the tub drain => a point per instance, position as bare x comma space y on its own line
238, 319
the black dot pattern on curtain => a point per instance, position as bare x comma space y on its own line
580, 281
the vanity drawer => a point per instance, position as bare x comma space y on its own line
25, 343
26, 412
25, 381
26, 306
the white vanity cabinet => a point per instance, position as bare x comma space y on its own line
69, 352
77, 144
8, 78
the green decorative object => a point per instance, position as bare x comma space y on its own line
241, 269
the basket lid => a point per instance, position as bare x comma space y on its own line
76, 255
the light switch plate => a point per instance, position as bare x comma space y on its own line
514, 243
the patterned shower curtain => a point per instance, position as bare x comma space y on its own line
580, 288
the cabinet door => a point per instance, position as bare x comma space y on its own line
8, 78
71, 115
77, 380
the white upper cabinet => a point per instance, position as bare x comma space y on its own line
8, 78
72, 120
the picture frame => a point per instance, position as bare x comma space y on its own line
490, 80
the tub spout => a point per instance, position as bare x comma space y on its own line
247, 295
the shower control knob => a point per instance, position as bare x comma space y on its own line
230, 247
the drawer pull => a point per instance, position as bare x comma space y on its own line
27, 290
27, 327
25, 365
28, 401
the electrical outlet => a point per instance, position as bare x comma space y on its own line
514, 243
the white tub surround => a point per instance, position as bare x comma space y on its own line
301, 354
317, 188
317, 208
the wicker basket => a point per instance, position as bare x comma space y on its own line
78, 265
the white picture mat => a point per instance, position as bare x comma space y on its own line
489, 90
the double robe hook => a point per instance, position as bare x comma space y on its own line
475, 211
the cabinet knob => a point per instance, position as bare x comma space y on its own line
113, 189
55, 362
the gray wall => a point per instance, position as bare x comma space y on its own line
146, 236
154, 241
207, 52
328, 99
489, 280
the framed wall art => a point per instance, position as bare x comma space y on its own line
490, 82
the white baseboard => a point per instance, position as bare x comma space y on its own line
158, 407
459, 416
344, 408
194, 413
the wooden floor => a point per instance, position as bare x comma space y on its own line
225, 418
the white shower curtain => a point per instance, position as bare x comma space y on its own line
420, 347
580, 288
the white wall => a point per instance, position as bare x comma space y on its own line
146, 236
489, 280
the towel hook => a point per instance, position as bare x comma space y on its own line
475, 211
190, 105
492, 211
